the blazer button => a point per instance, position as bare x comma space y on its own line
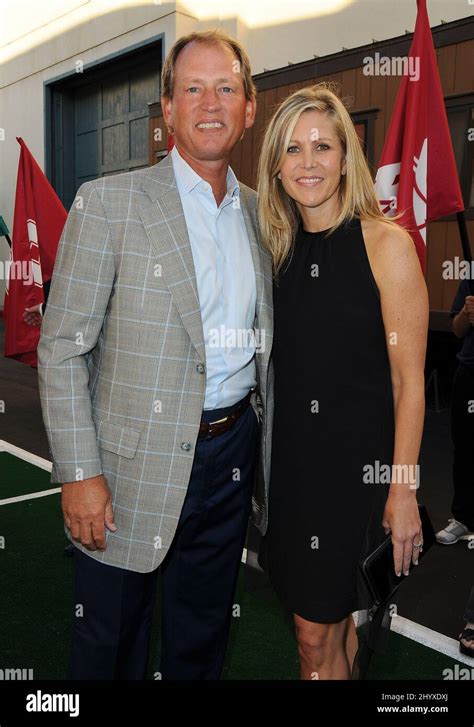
200, 368
186, 446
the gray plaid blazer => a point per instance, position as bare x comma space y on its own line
121, 354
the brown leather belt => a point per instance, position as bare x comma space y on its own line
208, 430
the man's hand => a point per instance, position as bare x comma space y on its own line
468, 308
87, 507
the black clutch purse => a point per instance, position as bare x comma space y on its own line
377, 568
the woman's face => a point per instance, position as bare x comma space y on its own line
313, 163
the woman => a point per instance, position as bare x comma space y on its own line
351, 316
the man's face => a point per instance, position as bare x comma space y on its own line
208, 113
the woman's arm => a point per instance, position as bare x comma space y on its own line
405, 312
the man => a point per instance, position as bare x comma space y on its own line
145, 405
461, 525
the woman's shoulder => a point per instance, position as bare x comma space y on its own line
385, 232
390, 249
386, 240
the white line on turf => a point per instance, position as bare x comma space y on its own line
31, 459
431, 639
31, 496
23, 454
426, 637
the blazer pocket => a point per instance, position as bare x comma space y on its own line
117, 439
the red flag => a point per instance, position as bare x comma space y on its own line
417, 173
38, 222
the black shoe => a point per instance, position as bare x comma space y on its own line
468, 635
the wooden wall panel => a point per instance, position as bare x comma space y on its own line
156, 122
436, 254
453, 249
281, 93
270, 104
464, 73
348, 88
236, 159
446, 57
377, 100
248, 142
456, 67
362, 99
258, 130
336, 78
392, 84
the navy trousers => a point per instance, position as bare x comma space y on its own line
111, 633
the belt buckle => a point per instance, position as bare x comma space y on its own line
209, 434
219, 421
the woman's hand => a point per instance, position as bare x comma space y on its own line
32, 315
402, 518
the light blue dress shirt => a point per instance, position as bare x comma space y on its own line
226, 284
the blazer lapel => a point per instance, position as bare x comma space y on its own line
263, 273
165, 226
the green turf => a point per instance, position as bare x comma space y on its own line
20, 478
36, 588
36, 611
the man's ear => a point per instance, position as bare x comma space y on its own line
166, 107
250, 111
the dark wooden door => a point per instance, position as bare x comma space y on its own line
99, 120
111, 124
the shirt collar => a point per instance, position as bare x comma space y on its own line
187, 179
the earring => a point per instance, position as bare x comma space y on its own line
279, 175
343, 172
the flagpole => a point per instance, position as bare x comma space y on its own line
466, 248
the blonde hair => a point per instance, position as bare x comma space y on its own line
277, 212
209, 38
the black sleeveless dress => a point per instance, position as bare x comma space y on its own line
333, 421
